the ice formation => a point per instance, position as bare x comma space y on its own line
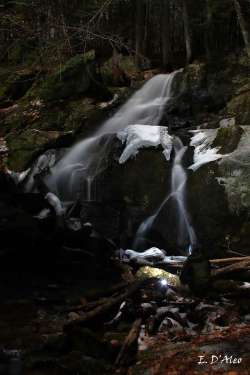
139, 136
55, 202
149, 255
18, 177
202, 141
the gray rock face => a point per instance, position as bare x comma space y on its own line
219, 194
235, 171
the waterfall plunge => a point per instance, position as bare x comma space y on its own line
87, 158
186, 233
178, 192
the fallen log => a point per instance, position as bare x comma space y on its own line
102, 295
107, 291
239, 266
130, 345
229, 260
86, 306
105, 307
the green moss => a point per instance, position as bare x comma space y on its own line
228, 138
22, 50
16, 85
125, 63
23, 145
70, 80
239, 107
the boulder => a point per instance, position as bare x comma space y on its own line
239, 106
219, 197
207, 93
75, 78
152, 272
119, 70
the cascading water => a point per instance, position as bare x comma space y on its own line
178, 192
87, 158
185, 232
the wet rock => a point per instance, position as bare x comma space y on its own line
148, 272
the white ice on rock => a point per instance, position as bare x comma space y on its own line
55, 202
151, 256
139, 136
18, 177
202, 141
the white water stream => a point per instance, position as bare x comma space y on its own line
86, 160
186, 233
88, 156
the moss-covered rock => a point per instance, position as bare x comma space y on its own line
22, 50
219, 194
239, 106
206, 93
70, 80
228, 137
81, 116
119, 70
24, 145
16, 85
208, 207
234, 171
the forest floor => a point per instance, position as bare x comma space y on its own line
34, 340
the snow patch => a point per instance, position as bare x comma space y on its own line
139, 136
151, 254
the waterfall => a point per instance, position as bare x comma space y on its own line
87, 158
185, 231
90, 189
89, 185
178, 193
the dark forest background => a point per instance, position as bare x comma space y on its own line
164, 33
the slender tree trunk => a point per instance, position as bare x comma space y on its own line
243, 26
139, 33
208, 31
146, 25
187, 31
166, 44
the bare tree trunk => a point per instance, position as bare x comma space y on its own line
139, 33
243, 26
166, 43
187, 31
208, 31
